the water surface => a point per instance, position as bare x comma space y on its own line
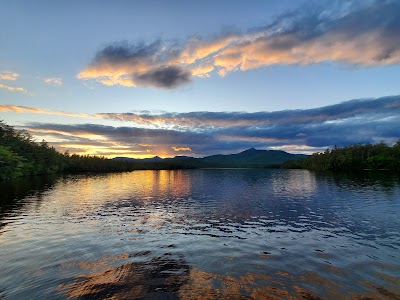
201, 234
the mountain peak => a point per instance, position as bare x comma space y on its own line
250, 150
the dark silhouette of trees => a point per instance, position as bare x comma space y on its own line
355, 157
20, 155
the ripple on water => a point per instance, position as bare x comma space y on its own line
203, 233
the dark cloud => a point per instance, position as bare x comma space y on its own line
165, 77
124, 52
136, 53
374, 108
128, 135
137, 64
355, 121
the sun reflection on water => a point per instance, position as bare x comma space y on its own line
202, 234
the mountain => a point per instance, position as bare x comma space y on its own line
250, 158
152, 159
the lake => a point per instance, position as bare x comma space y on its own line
201, 234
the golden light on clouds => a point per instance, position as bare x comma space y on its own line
177, 149
346, 37
203, 71
26, 109
204, 133
8, 75
115, 80
12, 88
196, 49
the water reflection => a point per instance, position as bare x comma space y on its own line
304, 185
170, 277
202, 234
18, 193
161, 276
382, 180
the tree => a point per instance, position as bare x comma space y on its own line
11, 164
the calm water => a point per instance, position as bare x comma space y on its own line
201, 234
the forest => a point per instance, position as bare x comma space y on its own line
355, 157
21, 155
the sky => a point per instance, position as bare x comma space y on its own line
166, 78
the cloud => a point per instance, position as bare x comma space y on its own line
136, 64
137, 140
25, 109
11, 76
53, 80
337, 112
12, 88
178, 149
204, 120
165, 77
367, 35
364, 33
204, 133
8, 75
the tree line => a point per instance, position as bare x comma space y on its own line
21, 155
355, 157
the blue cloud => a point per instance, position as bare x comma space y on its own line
355, 121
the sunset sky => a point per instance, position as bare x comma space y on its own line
146, 78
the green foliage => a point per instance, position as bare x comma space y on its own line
20, 155
356, 157
11, 164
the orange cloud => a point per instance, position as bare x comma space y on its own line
203, 71
53, 80
196, 49
177, 149
8, 75
12, 89
115, 80
25, 109
351, 38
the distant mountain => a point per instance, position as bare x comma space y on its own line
182, 157
250, 158
152, 159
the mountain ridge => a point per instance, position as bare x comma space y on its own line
247, 158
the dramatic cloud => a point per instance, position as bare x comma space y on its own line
362, 33
136, 141
8, 75
332, 113
136, 64
204, 133
53, 80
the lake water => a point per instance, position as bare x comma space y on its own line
201, 234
